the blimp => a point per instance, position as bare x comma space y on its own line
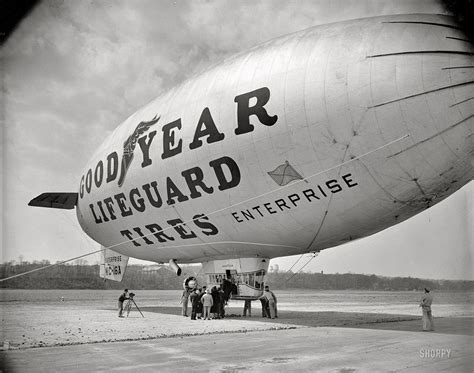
301, 144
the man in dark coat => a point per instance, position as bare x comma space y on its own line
194, 298
123, 297
199, 306
222, 302
215, 302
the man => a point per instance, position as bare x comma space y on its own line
194, 298
275, 298
207, 302
122, 299
215, 303
265, 311
425, 305
271, 301
248, 308
184, 302
200, 307
222, 302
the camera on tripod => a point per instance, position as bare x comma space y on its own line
130, 304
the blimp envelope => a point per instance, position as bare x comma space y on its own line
300, 144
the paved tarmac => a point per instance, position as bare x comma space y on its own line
85, 337
300, 349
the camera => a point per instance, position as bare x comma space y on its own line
131, 295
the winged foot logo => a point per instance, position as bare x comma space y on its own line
129, 146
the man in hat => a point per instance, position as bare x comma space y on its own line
194, 298
207, 303
274, 298
122, 299
425, 305
271, 301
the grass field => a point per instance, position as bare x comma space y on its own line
445, 304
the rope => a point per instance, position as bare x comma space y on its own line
51, 265
295, 263
294, 274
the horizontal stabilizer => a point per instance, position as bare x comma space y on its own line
55, 200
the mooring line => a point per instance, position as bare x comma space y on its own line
51, 265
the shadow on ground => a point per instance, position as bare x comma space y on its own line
443, 325
380, 321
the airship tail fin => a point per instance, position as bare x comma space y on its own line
55, 200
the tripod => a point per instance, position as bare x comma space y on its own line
129, 305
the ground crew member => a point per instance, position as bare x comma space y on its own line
275, 298
122, 299
215, 302
200, 307
271, 301
247, 307
207, 302
194, 298
184, 301
425, 305
221, 302
265, 311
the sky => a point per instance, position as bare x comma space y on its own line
73, 70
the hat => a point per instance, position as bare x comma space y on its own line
427, 290
126, 290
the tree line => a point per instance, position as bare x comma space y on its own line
82, 276
352, 281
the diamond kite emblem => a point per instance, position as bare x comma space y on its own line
284, 174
